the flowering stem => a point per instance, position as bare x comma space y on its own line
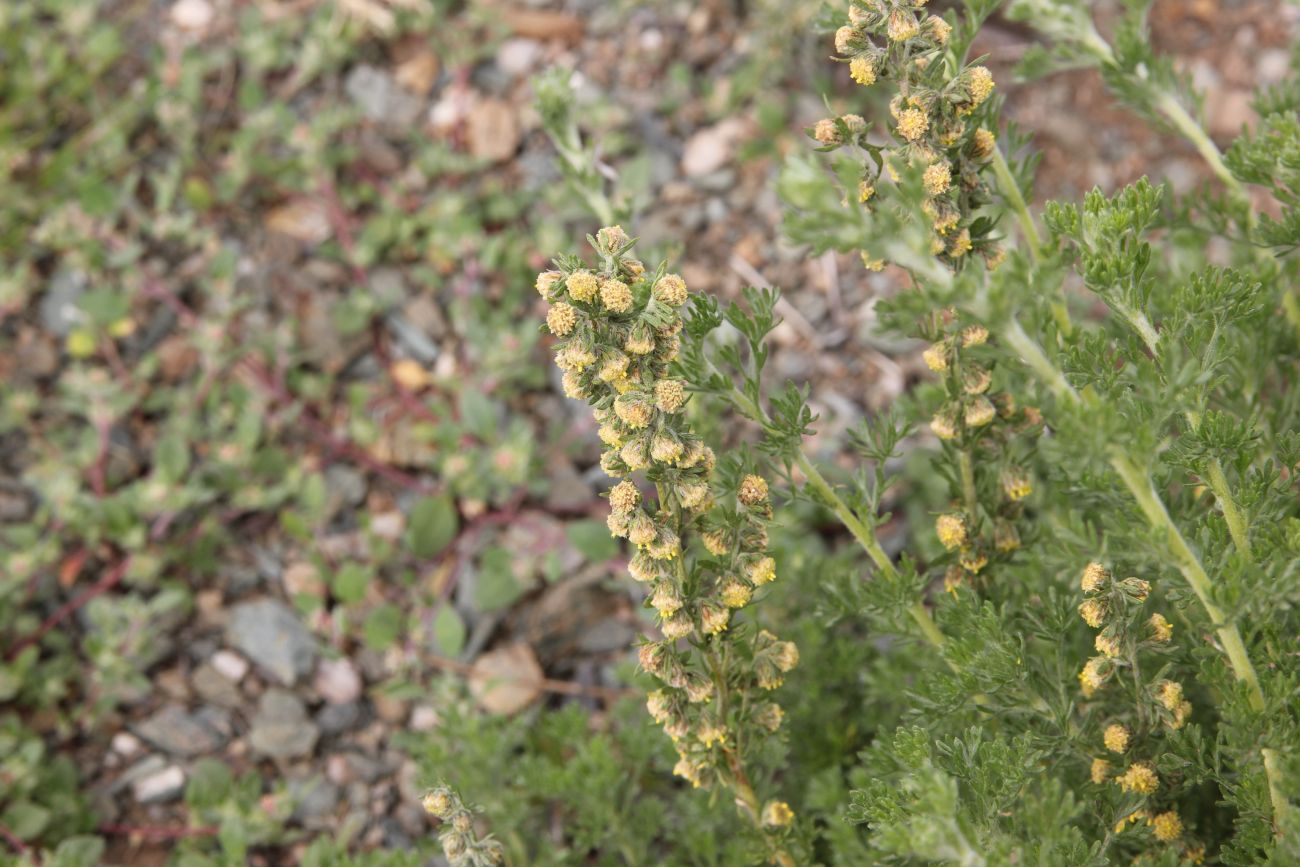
967, 466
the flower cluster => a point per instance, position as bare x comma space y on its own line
985, 427
701, 553
460, 841
936, 128
1113, 608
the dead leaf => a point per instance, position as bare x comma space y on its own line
540, 24
305, 220
506, 680
417, 71
493, 130
410, 374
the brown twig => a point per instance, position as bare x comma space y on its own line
110, 579
13, 840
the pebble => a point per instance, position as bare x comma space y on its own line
281, 728
336, 719
269, 633
337, 681
215, 688
179, 732
230, 665
518, 57
302, 578
192, 14
314, 800
423, 718
380, 98
712, 147
126, 744
59, 312
160, 786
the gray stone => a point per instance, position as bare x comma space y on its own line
337, 681
59, 313
159, 786
215, 687
380, 98
281, 728
335, 719
179, 732
314, 800
271, 635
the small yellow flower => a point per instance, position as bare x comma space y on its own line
974, 335
936, 357
826, 131
1116, 738
670, 394
937, 179
714, 619
1181, 714
979, 84
671, 290
982, 144
692, 495
711, 733
666, 600
1170, 694
1161, 629
665, 449
863, 71
944, 425
688, 770
640, 529
786, 656
845, 37
571, 383
1093, 612
1016, 484
913, 123
1093, 676
865, 191
980, 412
973, 560
951, 529
1140, 778
616, 296
777, 814
769, 716
736, 594
716, 542
753, 490
678, 626
633, 411
1095, 578
642, 567
640, 342
666, 545
561, 319
611, 238
657, 703
624, 497
698, 688
1100, 771
582, 286
546, 282
633, 453
438, 803
902, 26
1005, 536
1137, 589
872, 264
1108, 644
961, 244
1167, 826
939, 29
762, 571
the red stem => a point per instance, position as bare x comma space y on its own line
110, 579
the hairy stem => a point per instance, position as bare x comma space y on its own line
1237, 526
967, 466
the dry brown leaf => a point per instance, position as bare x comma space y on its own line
506, 680
409, 373
305, 220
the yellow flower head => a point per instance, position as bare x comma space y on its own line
692, 495
571, 383
1093, 612
640, 342
642, 567
1100, 771
1161, 629
974, 335
1108, 644
913, 123
670, 394
698, 688
951, 529
657, 703
711, 733
777, 814
982, 144
671, 290
666, 544
1170, 694
1093, 676
762, 571
961, 244
936, 357
665, 449
1116, 738
944, 425
633, 453
716, 542
937, 179
736, 594
826, 131
979, 84
1016, 484
845, 39
786, 655
688, 770
714, 619
1140, 778
1167, 826
863, 71
865, 191
546, 282
561, 319
640, 529
624, 497
1095, 578
678, 626
582, 286
939, 29
980, 411
753, 490
769, 716
902, 26
616, 296
633, 411
438, 803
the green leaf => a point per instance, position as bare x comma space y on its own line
210, 784
350, 582
593, 540
382, 627
497, 585
25, 819
77, 852
172, 457
434, 524
448, 631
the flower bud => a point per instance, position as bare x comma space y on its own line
666, 600
979, 412
902, 26
912, 124
714, 618
762, 571
1006, 538
634, 453
670, 289
651, 657
1095, 673
438, 802
1100, 771
982, 144
753, 490
974, 335
670, 394
561, 319
692, 495
1016, 484
1116, 738
777, 814
616, 296
666, 545
1108, 643
677, 626
1093, 612
1170, 694
546, 283
611, 239
769, 716
641, 340
582, 286
633, 410
642, 567
698, 688
937, 179
641, 529
1136, 589
951, 529
944, 424
624, 497
862, 69
665, 449
1161, 630
1095, 578
975, 379
735, 593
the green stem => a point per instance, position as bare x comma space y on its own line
1011, 192
1033, 355
967, 466
1237, 525
1168, 105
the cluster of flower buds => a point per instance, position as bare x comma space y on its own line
983, 423
936, 120
460, 841
1114, 609
702, 553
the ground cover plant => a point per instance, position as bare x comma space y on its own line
309, 558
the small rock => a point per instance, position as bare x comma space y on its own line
335, 719
281, 728
59, 312
337, 681
270, 634
215, 688
159, 786
711, 148
229, 665
418, 72
304, 219
126, 744
302, 578
314, 800
493, 130
518, 56
176, 731
423, 718
389, 708
380, 98
192, 14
